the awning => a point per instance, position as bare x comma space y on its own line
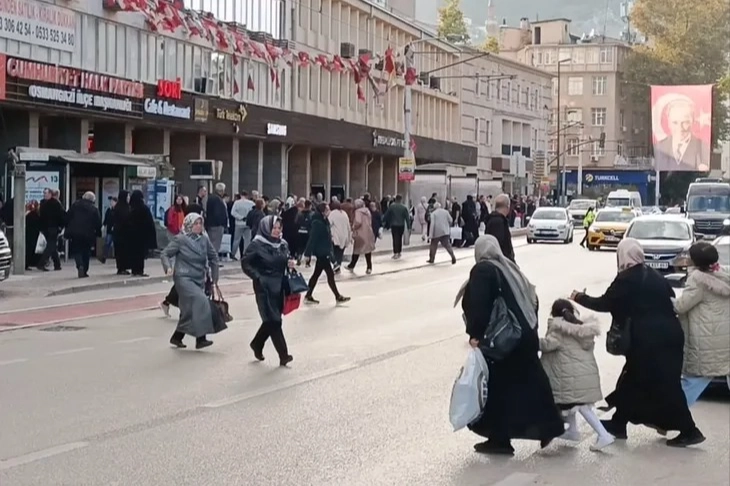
29, 154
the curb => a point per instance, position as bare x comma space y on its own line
225, 271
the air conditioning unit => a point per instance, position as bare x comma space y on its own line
285, 44
434, 82
624, 129
203, 85
347, 50
594, 159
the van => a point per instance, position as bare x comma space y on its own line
624, 198
708, 204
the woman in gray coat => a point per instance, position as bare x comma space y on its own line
265, 262
194, 256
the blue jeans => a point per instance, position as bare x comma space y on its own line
108, 244
693, 386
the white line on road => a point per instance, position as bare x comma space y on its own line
517, 479
135, 340
69, 351
43, 454
13, 361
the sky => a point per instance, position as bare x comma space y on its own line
256, 15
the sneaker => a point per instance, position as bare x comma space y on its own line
603, 442
369, 271
165, 308
686, 439
308, 299
342, 299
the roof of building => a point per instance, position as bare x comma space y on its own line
557, 19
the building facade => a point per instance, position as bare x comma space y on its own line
593, 100
121, 77
505, 112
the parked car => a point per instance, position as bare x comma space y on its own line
6, 257
665, 241
550, 224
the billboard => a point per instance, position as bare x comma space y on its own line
681, 125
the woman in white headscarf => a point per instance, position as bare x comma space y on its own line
649, 389
520, 404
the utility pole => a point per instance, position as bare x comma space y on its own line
559, 177
18, 213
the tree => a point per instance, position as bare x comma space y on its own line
451, 22
688, 44
490, 44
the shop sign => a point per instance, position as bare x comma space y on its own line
38, 23
79, 98
590, 178
274, 129
157, 107
169, 89
406, 169
238, 115
385, 141
201, 110
73, 78
146, 172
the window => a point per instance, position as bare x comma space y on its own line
575, 86
111, 49
621, 122
132, 61
620, 148
596, 150
300, 80
324, 83
574, 116
572, 148
489, 90
334, 87
488, 137
599, 85
606, 55
504, 88
477, 128
170, 48
314, 73
478, 88
538, 57
598, 117
579, 56
592, 55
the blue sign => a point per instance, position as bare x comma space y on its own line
611, 178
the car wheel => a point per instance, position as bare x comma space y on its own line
590, 247
529, 241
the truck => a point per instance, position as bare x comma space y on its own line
6, 256
708, 204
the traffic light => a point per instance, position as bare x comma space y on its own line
602, 140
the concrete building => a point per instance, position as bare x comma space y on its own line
120, 77
592, 101
505, 111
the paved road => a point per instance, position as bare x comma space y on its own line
364, 403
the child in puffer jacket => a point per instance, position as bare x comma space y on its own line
567, 357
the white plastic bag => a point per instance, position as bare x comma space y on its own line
469, 394
456, 233
40, 244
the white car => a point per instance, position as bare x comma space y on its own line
578, 209
550, 224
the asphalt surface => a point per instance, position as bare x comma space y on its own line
365, 402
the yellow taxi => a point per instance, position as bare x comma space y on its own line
609, 227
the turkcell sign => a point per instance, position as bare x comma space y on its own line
605, 178
157, 107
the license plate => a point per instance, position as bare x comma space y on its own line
658, 265
612, 238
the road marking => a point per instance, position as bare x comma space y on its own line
13, 361
135, 340
39, 455
517, 479
69, 351
279, 386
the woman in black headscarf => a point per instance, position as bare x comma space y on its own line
121, 233
142, 234
265, 262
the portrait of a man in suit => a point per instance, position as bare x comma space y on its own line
681, 149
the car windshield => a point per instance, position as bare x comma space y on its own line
724, 250
551, 214
582, 204
617, 202
659, 230
614, 216
712, 203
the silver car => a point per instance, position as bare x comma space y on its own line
665, 241
550, 224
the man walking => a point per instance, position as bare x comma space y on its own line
397, 219
52, 220
498, 225
441, 222
84, 226
241, 232
216, 216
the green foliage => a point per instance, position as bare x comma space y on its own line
490, 44
451, 22
688, 44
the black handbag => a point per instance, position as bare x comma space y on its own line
294, 283
219, 311
618, 337
503, 332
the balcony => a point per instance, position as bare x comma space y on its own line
633, 163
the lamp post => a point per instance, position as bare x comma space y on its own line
559, 177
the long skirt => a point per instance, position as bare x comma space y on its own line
196, 318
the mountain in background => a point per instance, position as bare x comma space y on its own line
585, 14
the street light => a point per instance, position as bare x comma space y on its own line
560, 181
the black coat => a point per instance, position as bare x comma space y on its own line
520, 401
266, 265
289, 225
649, 389
216, 213
319, 244
84, 222
52, 215
498, 226
253, 219
140, 228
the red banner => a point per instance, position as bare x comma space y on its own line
681, 123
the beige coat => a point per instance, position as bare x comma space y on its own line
567, 357
363, 237
704, 311
340, 228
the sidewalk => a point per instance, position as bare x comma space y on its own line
103, 277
